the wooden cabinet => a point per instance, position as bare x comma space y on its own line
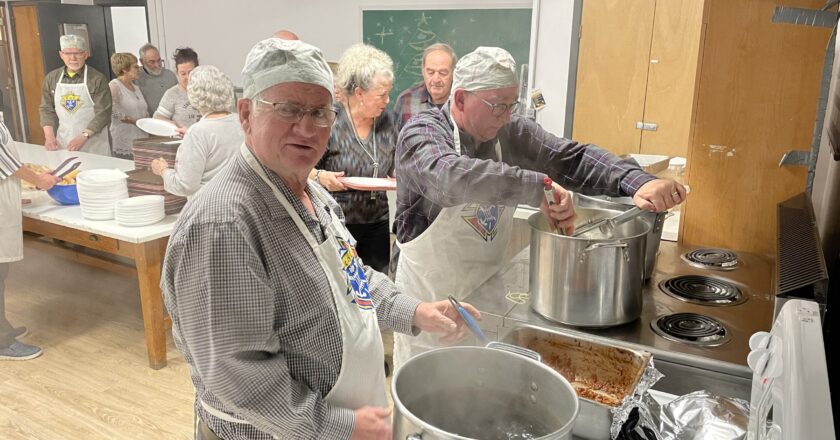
757, 98
638, 64
727, 87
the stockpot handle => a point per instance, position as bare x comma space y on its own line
612, 245
615, 244
515, 349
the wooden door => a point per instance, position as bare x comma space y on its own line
31, 64
757, 98
612, 73
672, 77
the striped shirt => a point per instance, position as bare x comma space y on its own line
9, 161
253, 313
433, 176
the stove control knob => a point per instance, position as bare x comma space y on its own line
759, 340
757, 360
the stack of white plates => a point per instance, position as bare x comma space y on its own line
99, 190
140, 210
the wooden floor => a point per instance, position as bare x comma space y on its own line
93, 380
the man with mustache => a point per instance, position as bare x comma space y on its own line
154, 79
76, 102
437, 66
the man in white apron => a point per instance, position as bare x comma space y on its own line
276, 315
11, 238
76, 99
462, 171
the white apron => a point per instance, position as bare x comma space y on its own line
462, 248
361, 381
74, 107
11, 232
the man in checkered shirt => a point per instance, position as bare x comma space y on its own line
271, 307
438, 63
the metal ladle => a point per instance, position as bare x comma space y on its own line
607, 225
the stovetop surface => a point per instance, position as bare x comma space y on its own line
753, 276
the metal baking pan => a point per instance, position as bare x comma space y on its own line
601, 374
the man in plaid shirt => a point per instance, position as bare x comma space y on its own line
464, 168
437, 66
274, 312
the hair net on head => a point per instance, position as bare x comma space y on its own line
275, 61
485, 68
73, 42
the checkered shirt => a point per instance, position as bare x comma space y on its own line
252, 311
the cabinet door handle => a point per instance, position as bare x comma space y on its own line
641, 125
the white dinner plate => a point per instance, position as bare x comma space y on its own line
157, 127
369, 183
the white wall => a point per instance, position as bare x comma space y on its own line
551, 60
222, 31
129, 28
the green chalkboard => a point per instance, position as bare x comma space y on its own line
403, 34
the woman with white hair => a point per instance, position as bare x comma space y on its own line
362, 144
209, 143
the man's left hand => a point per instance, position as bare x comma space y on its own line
659, 195
441, 317
77, 143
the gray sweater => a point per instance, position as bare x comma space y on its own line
153, 87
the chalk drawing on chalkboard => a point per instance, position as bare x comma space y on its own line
382, 34
404, 34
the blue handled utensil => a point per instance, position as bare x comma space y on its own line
471, 322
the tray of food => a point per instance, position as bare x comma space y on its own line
602, 375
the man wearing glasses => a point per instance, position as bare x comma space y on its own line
76, 102
275, 313
464, 168
155, 79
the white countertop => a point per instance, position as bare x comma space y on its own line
44, 208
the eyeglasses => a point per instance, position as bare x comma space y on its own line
73, 54
293, 113
498, 109
157, 62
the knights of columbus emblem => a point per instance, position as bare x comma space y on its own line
484, 219
71, 102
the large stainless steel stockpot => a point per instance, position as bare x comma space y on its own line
594, 280
481, 393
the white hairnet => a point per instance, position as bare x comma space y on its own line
485, 68
71, 41
274, 61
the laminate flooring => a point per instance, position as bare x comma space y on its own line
93, 380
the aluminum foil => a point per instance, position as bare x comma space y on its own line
621, 413
703, 415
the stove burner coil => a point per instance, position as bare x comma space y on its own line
691, 328
699, 289
712, 258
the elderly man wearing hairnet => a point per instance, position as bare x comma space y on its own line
273, 310
464, 168
76, 102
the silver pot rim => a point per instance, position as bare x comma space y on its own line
403, 411
533, 218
